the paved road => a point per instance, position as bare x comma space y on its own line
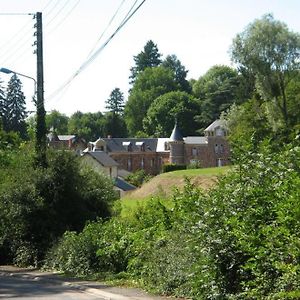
14, 287
17, 283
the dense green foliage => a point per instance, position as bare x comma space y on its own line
271, 52
217, 90
37, 205
148, 58
150, 84
238, 241
138, 178
172, 167
162, 113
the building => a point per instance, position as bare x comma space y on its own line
101, 162
150, 154
66, 142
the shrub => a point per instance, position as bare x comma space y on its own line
31, 199
172, 167
138, 178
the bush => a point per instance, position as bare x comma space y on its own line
138, 178
172, 167
31, 199
239, 240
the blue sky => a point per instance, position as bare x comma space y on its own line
199, 32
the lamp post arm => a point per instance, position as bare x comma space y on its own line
35, 84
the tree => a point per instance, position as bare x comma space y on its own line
169, 107
148, 58
57, 122
217, 89
115, 102
3, 107
31, 198
16, 106
150, 84
90, 126
179, 71
114, 125
270, 51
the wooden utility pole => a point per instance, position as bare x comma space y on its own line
40, 146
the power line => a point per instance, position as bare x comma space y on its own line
64, 18
58, 12
109, 23
15, 39
16, 14
97, 52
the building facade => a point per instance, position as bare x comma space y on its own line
150, 154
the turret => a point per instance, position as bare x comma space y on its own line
176, 143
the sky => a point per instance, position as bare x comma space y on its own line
198, 32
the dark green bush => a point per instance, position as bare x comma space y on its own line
138, 178
38, 205
172, 167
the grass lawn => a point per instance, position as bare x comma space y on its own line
197, 172
161, 185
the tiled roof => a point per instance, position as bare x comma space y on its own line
103, 158
119, 144
124, 185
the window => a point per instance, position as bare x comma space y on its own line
216, 148
129, 164
219, 162
219, 148
142, 163
127, 146
219, 132
194, 152
152, 162
141, 146
167, 146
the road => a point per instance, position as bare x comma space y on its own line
17, 283
17, 288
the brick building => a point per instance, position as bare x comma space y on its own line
150, 154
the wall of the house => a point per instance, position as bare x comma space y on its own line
214, 153
151, 162
88, 160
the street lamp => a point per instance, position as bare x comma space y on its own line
8, 71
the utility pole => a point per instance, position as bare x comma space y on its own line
40, 146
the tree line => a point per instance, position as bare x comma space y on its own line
265, 74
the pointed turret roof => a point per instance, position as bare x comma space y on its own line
176, 135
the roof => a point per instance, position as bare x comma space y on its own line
103, 158
195, 140
66, 137
123, 185
119, 144
215, 124
176, 134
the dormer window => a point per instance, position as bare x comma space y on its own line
141, 146
219, 131
99, 145
167, 146
127, 146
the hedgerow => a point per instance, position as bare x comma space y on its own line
240, 240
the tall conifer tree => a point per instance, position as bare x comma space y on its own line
150, 57
3, 107
16, 106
